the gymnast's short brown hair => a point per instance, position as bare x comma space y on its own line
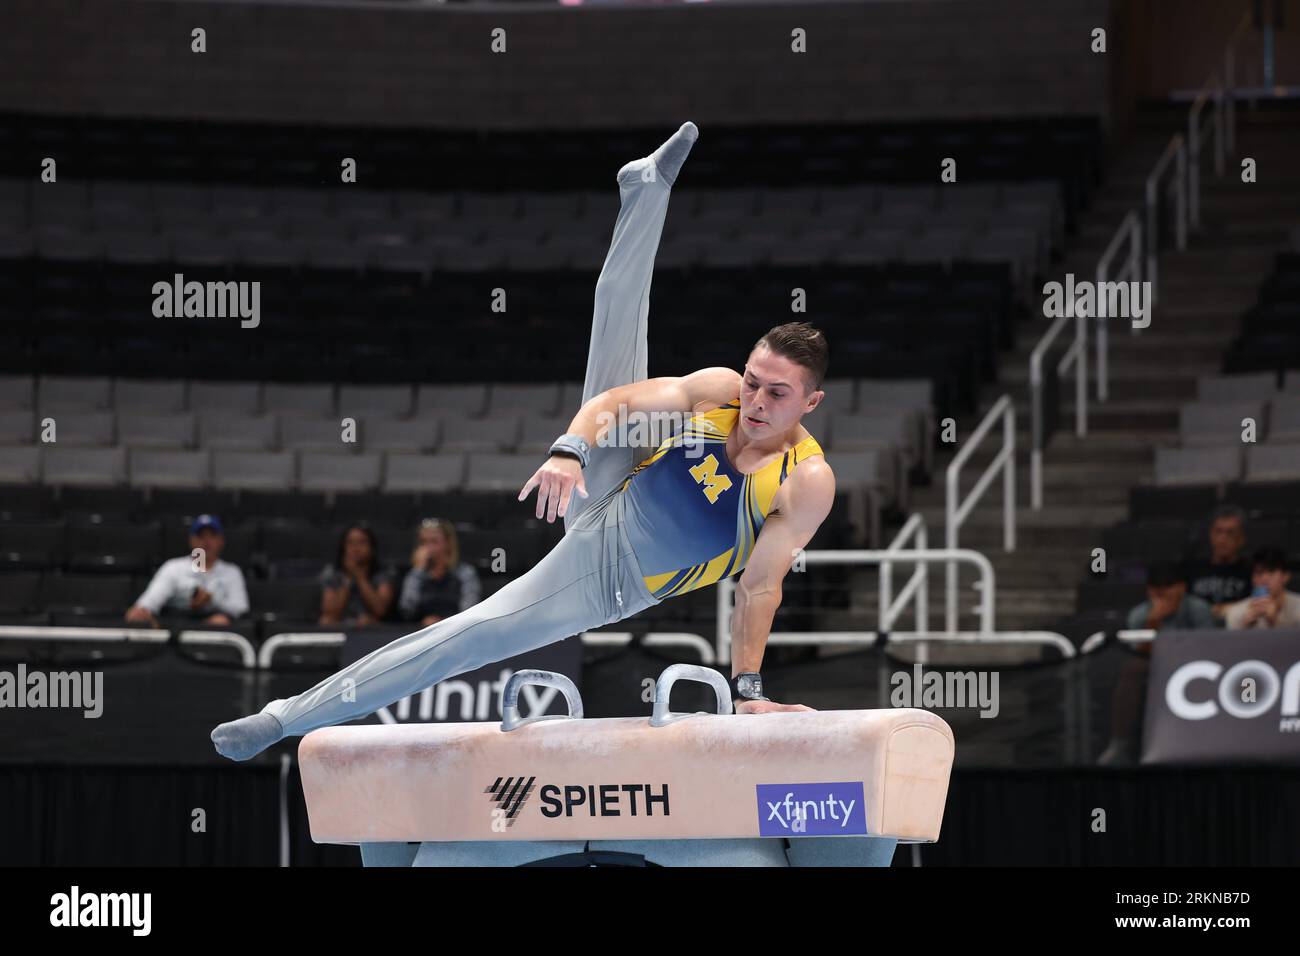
803, 345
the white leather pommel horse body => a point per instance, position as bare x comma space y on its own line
678, 789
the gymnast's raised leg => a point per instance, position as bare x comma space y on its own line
590, 578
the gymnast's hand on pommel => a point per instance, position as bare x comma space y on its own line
555, 482
767, 707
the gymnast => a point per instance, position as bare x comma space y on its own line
741, 486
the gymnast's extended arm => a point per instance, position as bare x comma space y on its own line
802, 504
600, 416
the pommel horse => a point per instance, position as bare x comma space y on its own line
838, 788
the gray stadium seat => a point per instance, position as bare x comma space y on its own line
538, 432
200, 250
234, 432
452, 399
318, 471
17, 391
912, 397
157, 396
253, 470
413, 435
17, 426
1218, 423
232, 398
1236, 388
499, 433
392, 401
1272, 462
62, 245
1284, 419
64, 391
538, 398
820, 424
841, 395
363, 204
164, 468
489, 471
308, 433
1198, 466
86, 467
78, 427
20, 464
423, 473
143, 429
570, 398
315, 399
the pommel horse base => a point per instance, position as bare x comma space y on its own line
829, 788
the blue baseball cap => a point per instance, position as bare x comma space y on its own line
206, 523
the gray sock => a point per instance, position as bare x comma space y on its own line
247, 737
671, 155
667, 160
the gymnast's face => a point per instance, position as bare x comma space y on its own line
774, 394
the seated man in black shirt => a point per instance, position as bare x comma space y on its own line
1224, 578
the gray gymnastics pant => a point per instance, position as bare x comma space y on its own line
591, 577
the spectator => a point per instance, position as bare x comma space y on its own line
197, 586
1168, 605
1225, 577
355, 592
1270, 604
439, 584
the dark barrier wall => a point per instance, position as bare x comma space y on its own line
432, 66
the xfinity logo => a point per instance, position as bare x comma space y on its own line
461, 700
1246, 689
811, 809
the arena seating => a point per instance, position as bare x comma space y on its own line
375, 305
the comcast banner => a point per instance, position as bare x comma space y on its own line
1223, 696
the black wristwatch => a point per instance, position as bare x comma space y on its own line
747, 686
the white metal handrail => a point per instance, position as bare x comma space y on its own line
1049, 638
1212, 90
1176, 153
987, 587
1076, 356
271, 646
143, 635
956, 511
247, 656
1230, 84
1185, 188
917, 587
1130, 231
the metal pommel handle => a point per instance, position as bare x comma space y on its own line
675, 672
510, 718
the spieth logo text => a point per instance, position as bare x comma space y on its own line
580, 800
811, 809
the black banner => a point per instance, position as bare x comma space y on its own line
474, 695
1215, 696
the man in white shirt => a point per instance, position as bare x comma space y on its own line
199, 586
1270, 604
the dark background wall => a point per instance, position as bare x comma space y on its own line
431, 66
